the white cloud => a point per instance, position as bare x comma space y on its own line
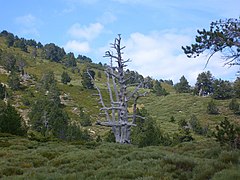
159, 55
77, 47
28, 24
86, 32
107, 17
27, 20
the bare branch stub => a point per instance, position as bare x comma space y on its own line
117, 114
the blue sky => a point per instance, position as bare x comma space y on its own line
152, 30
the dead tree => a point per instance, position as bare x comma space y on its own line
117, 114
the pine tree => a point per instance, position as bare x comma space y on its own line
222, 37
227, 133
204, 84
65, 78
183, 86
159, 90
46, 116
222, 89
86, 80
10, 120
147, 132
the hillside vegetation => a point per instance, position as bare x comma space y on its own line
182, 153
24, 159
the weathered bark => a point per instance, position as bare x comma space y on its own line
117, 115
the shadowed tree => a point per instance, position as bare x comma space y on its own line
117, 114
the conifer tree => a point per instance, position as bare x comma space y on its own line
65, 78
222, 37
183, 86
10, 120
159, 90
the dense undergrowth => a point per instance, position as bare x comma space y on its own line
25, 159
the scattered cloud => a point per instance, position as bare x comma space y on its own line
107, 17
77, 47
86, 32
27, 20
28, 24
159, 55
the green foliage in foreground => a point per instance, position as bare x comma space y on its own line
24, 159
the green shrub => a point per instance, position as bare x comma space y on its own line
227, 134
37, 136
229, 174
11, 171
203, 171
212, 108
234, 106
212, 153
25, 101
84, 118
182, 167
109, 136
229, 157
196, 126
172, 119
14, 81
65, 78
147, 132
49, 154
4, 143
184, 135
183, 163
75, 133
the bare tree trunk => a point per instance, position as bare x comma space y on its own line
116, 114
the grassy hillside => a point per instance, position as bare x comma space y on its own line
179, 106
202, 158
183, 106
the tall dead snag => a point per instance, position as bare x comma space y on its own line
116, 114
